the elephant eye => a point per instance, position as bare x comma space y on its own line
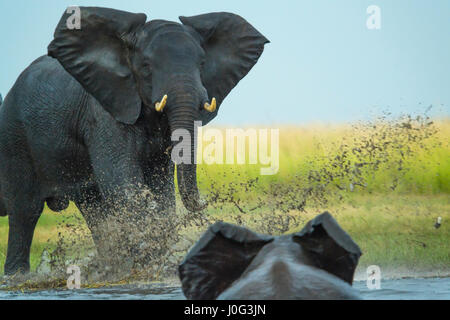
145, 63
146, 69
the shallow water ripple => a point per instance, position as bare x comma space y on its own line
400, 289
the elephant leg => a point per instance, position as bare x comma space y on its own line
2, 207
159, 177
126, 204
22, 222
93, 208
24, 205
117, 169
95, 212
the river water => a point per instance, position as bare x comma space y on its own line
401, 289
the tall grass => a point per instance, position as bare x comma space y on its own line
404, 156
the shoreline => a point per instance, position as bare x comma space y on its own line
360, 276
396, 274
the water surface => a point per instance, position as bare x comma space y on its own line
401, 289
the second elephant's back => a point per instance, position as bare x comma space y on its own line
284, 279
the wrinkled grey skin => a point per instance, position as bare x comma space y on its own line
80, 124
234, 263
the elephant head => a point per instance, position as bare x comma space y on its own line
183, 72
231, 262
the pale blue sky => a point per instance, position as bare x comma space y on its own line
322, 65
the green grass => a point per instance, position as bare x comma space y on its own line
392, 230
409, 156
398, 231
401, 184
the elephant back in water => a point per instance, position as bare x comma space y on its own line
232, 262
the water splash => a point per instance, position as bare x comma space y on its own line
149, 247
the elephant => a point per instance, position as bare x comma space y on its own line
230, 262
92, 121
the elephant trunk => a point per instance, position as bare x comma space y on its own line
187, 186
181, 115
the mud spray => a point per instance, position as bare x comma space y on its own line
150, 248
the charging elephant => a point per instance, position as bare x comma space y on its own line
92, 121
232, 262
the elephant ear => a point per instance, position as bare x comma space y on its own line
232, 47
329, 246
96, 55
219, 258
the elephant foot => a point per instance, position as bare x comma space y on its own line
18, 268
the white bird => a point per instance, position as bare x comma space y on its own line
438, 222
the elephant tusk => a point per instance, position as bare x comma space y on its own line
159, 106
211, 107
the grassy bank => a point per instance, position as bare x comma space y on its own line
406, 156
386, 183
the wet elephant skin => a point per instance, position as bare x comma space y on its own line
91, 122
233, 263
